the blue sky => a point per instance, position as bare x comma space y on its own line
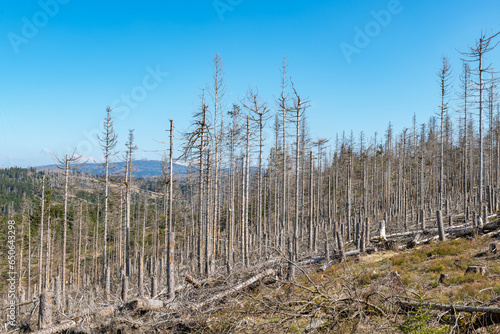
64, 61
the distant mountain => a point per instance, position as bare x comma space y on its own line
141, 168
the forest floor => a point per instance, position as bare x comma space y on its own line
384, 292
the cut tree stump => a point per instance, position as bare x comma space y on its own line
476, 270
443, 277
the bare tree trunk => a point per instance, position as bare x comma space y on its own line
107, 283
44, 311
108, 143
444, 77
128, 181
466, 82
47, 253
58, 292
29, 261
140, 279
311, 201
79, 258
96, 242
40, 249
171, 233
283, 106
21, 247
348, 207
105, 233
208, 225
218, 94
247, 198
65, 226
295, 244
154, 286
201, 179
259, 188
231, 218
481, 166
124, 287
440, 224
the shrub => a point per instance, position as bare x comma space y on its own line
418, 322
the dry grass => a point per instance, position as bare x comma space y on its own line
359, 296
384, 292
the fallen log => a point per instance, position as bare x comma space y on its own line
335, 256
492, 234
456, 308
492, 226
231, 290
458, 233
330, 262
63, 326
489, 315
144, 304
20, 305
68, 324
193, 281
459, 229
417, 241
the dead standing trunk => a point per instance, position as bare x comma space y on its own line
171, 233
40, 249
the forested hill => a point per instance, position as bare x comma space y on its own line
14, 182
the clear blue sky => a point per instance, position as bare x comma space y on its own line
60, 67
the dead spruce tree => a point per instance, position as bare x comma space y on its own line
297, 112
283, 109
233, 134
40, 246
477, 54
170, 229
196, 140
444, 76
128, 180
108, 141
217, 91
465, 82
68, 163
259, 115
